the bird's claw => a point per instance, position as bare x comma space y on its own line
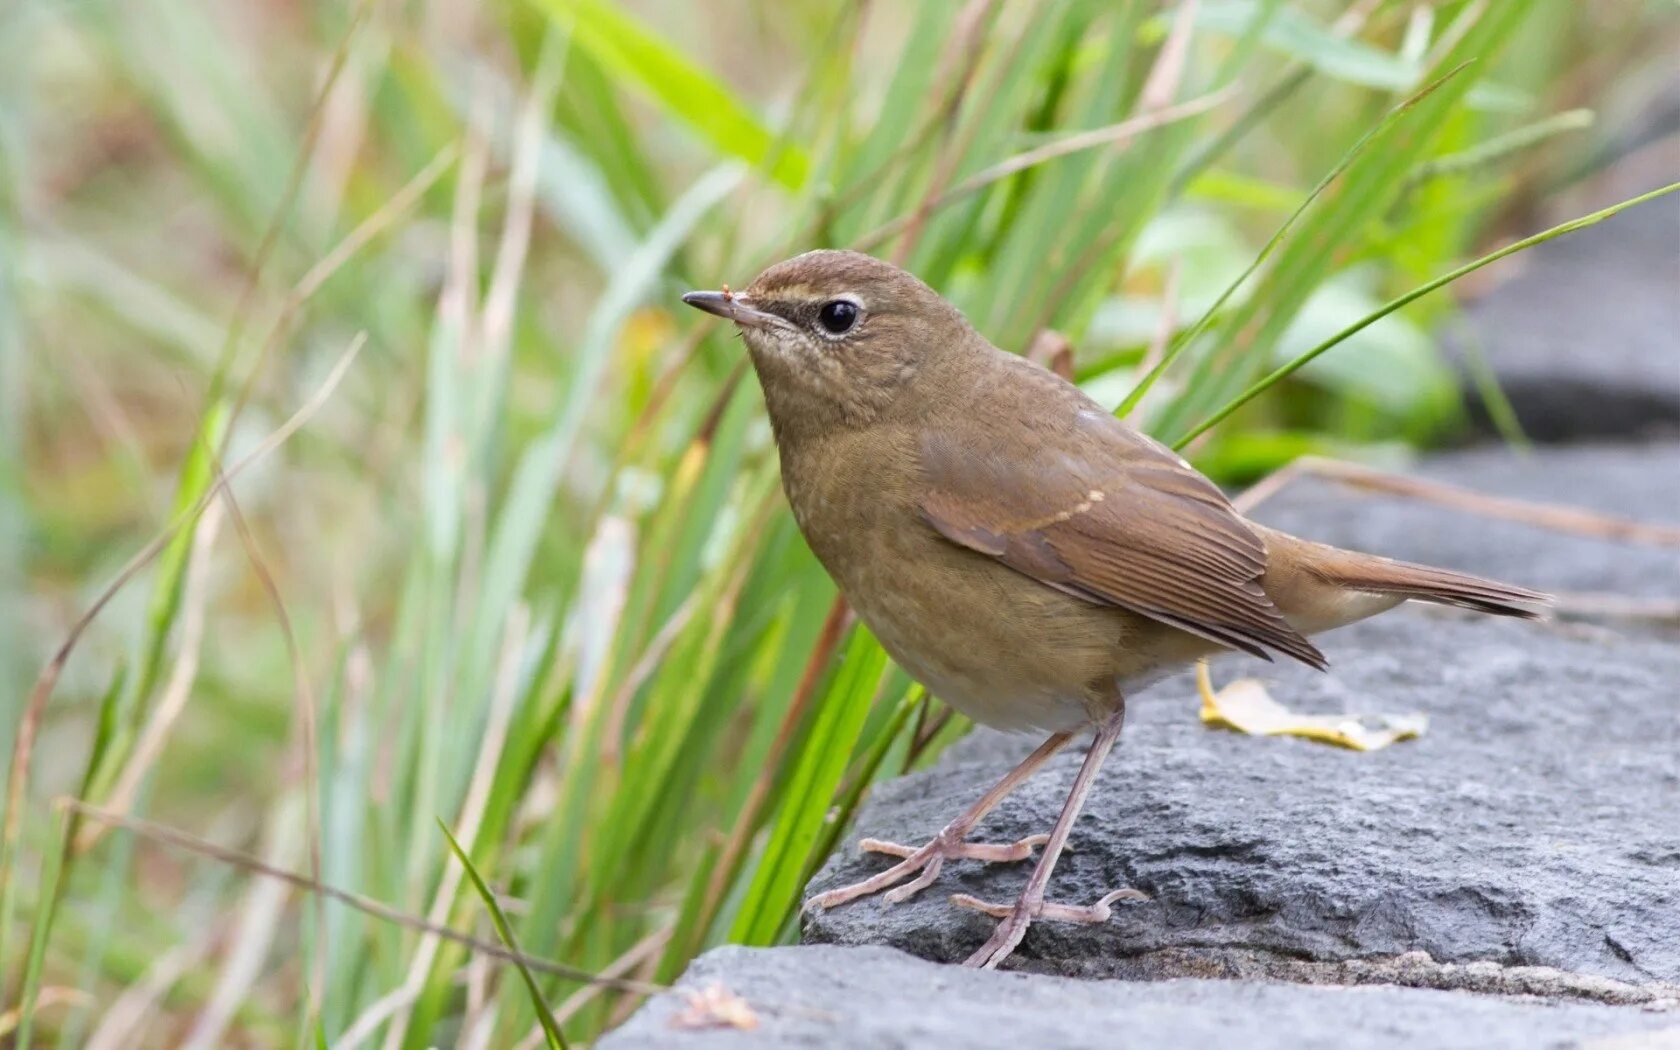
925, 862
1085, 914
1016, 918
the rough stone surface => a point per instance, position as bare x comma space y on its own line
819, 996
1585, 340
1529, 842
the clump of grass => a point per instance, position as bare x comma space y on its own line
527, 571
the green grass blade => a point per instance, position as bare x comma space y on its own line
551, 1031
626, 47
1335, 228
46, 909
1189, 335
841, 712
1502, 147
1501, 413
1420, 291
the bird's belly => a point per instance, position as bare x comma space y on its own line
976, 692
1003, 649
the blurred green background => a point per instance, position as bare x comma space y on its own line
524, 568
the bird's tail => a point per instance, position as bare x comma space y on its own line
1424, 583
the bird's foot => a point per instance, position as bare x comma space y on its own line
1017, 917
925, 863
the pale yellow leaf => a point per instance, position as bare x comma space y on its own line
1245, 706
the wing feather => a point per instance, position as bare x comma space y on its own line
1107, 515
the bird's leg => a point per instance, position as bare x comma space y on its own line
1031, 905
949, 843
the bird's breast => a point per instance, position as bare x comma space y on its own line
1000, 647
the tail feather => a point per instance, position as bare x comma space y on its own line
1425, 583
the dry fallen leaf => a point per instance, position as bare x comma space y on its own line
715, 1006
1246, 706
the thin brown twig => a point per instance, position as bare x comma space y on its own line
966, 49
1112, 134
289, 307
928, 734
304, 695
1623, 608
364, 233
638, 954
1544, 515
366, 905
1052, 350
1169, 317
1167, 73
271, 235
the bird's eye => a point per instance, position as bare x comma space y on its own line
837, 316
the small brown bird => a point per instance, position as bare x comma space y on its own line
1024, 554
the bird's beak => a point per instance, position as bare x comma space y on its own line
732, 307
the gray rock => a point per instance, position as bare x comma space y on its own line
1529, 842
872, 997
1585, 340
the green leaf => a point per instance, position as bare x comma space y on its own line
622, 44
1391, 364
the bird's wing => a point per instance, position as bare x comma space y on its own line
1104, 513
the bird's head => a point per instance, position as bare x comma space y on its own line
836, 336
